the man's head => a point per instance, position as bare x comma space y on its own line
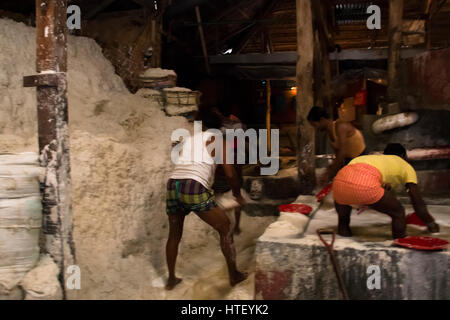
395, 149
210, 117
318, 118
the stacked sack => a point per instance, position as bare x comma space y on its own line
20, 220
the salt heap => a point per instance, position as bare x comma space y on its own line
120, 158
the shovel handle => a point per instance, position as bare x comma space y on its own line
321, 232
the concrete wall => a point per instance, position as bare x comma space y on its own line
300, 269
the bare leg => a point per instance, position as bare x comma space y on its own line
218, 219
344, 213
389, 205
176, 222
237, 215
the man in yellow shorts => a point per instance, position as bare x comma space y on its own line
366, 180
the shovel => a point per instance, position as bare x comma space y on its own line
337, 270
320, 197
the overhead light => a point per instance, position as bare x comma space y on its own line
229, 51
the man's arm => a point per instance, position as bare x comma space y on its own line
232, 177
342, 130
421, 208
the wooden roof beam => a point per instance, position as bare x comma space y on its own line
97, 9
261, 15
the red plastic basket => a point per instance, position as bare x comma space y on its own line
422, 243
412, 218
295, 208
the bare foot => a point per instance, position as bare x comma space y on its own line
171, 283
238, 277
345, 232
433, 227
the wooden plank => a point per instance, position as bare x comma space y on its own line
290, 57
305, 97
395, 43
202, 38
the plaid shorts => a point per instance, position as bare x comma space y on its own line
187, 195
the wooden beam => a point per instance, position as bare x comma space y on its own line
257, 28
268, 116
53, 132
202, 38
181, 6
101, 6
395, 42
305, 97
290, 57
320, 10
231, 10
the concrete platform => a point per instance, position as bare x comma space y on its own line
289, 267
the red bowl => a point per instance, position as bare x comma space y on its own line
295, 208
422, 243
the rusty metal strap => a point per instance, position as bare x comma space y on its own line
45, 79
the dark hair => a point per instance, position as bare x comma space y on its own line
317, 113
395, 149
209, 117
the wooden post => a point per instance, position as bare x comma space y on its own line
305, 97
202, 38
155, 40
395, 43
268, 112
154, 62
325, 40
51, 83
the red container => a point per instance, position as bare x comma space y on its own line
361, 98
422, 243
295, 208
324, 192
412, 218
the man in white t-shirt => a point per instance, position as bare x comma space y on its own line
190, 189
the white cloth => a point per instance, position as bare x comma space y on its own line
195, 162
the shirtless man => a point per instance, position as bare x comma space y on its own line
190, 189
346, 139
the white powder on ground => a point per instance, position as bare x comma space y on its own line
120, 158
